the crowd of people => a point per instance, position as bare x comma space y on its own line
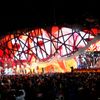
88, 60
51, 86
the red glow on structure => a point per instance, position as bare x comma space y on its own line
1, 53
36, 32
40, 43
95, 31
54, 29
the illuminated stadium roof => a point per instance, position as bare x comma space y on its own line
43, 44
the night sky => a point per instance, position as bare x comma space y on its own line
26, 14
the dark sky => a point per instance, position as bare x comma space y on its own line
25, 14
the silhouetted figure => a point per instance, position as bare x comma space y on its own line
72, 69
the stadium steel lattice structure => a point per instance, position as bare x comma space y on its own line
43, 44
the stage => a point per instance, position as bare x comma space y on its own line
87, 70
